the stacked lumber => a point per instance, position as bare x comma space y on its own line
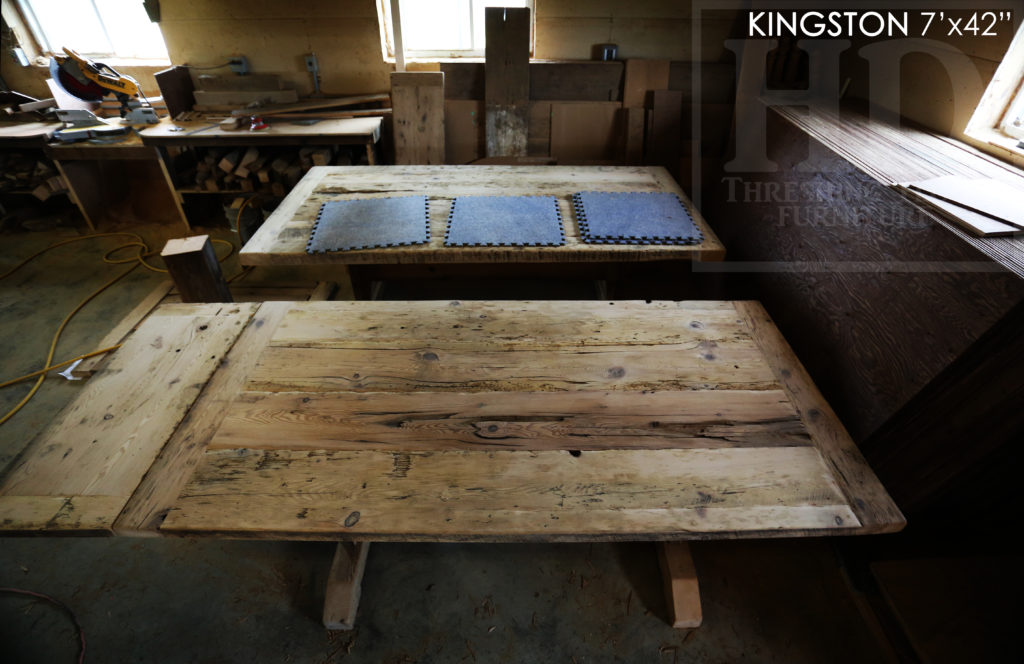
272, 171
268, 96
25, 173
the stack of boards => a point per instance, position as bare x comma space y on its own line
504, 221
983, 206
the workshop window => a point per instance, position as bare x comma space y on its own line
437, 29
105, 28
999, 118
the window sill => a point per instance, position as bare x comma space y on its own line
1007, 145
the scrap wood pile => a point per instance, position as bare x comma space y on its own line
236, 98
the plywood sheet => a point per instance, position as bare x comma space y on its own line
585, 132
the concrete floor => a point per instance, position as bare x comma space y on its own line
185, 600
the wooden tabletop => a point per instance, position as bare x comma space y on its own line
450, 421
207, 132
281, 240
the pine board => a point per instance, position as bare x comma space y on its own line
559, 421
103, 443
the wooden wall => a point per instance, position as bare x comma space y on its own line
345, 35
660, 29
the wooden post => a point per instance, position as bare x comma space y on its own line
507, 81
417, 113
682, 593
195, 271
396, 31
343, 585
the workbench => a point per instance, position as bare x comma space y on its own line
365, 421
207, 132
281, 240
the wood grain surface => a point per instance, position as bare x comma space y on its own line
453, 421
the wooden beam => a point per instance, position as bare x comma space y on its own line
192, 264
344, 585
396, 31
507, 81
417, 102
682, 592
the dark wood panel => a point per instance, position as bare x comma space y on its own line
576, 81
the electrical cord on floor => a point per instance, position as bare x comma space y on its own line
60, 605
138, 259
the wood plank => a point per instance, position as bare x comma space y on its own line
586, 132
464, 130
244, 97
344, 585
734, 364
513, 496
90, 365
282, 239
511, 420
506, 325
80, 515
164, 480
866, 495
539, 135
507, 81
635, 122
665, 137
576, 81
417, 103
176, 88
195, 270
642, 76
682, 590
104, 442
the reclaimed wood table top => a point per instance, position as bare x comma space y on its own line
281, 240
449, 421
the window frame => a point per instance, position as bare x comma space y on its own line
423, 55
31, 29
1003, 102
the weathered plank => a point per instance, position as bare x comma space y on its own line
170, 471
866, 495
729, 364
417, 103
502, 495
506, 325
507, 80
512, 420
104, 442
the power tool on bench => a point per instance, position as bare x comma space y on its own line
87, 80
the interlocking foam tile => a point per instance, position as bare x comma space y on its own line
364, 223
504, 221
634, 218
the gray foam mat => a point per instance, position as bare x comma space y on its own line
634, 218
365, 223
504, 221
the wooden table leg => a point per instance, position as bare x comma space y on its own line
343, 585
193, 267
682, 592
370, 157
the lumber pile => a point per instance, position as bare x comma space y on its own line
24, 173
269, 97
